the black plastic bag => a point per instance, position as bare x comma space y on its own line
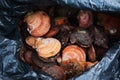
11, 68
96, 5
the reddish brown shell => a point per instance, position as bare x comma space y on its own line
91, 54
28, 57
56, 72
38, 23
73, 52
90, 64
52, 32
60, 20
30, 40
47, 47
85, 18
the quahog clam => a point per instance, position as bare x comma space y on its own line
38, 23
45, 47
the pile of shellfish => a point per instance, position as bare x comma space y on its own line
62, 49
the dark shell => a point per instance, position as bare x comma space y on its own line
100, 38
100, 52
64, 34
85, 18
81, 37
56, 72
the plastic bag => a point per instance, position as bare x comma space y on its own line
12, 68
96, 5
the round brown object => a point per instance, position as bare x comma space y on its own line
73, 60
82, 37
38, 23
85, 18
47, 47
73, 52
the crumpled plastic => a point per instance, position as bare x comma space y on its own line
96, 5
12, 68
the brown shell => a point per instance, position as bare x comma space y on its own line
30, 40
90, 64
56, 72
73, 52
52, 32
47, 47
60, 20
28, 57
92, 54
38, 23
85, 18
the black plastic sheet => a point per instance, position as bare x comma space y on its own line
96, 5
11, 68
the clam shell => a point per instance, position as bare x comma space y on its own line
47, 47
52, 32
73, 52
85, 18
30, 40
60, 20
38, 23
91, 54
56, 72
